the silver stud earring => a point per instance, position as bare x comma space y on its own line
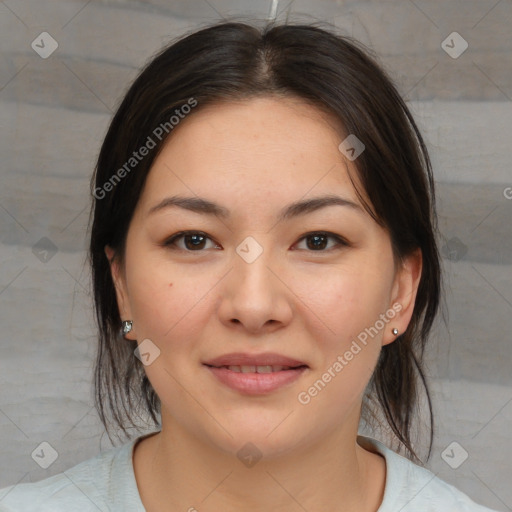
395, 331
127, 327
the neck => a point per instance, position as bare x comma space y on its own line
177, 471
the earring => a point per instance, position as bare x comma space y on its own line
127, 327
395, 331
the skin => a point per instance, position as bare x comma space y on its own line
253, 158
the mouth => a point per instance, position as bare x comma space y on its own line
256, 374
250, 363
258, 368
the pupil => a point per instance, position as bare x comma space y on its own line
197, 240
316, 239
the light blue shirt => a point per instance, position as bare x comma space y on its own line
107, 483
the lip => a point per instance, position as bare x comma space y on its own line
244, 359
256, 383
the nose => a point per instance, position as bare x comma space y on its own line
255, 297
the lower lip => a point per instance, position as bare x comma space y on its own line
256, 383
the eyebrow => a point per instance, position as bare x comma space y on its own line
204, 206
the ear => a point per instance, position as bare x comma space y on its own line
405, 288
121, 292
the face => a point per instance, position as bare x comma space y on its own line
257, 274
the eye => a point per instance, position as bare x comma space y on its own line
194, 241
319, 240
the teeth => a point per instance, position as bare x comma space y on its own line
275, 368
257, 369
264, 369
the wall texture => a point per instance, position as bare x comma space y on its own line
54, 112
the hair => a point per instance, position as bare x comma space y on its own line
233, 61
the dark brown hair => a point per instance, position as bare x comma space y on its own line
234, 61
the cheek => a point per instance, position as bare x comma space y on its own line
168, 302
344, 301
344, 314
348, 346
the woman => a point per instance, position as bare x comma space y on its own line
264, 235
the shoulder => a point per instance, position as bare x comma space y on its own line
412, 488
94, 484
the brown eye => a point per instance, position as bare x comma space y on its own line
193, 241
320, 240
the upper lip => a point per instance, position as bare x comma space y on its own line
243, 359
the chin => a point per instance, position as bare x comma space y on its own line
259, 439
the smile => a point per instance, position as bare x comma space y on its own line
256, 380
256, 369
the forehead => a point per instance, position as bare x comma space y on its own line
258, 150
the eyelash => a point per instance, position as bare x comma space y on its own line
170, 243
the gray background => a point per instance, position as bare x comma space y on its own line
55, 111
